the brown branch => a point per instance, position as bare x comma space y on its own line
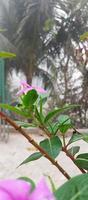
43, 152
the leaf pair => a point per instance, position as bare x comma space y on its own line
13, 109
63, 124
57, 111
52, 146
28, 101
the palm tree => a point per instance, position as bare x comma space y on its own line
30, 27
38, 28
25, 24
31, 34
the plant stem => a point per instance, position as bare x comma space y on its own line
72, 158
64, 140
43, 152
45, 130
64, 148
76, 131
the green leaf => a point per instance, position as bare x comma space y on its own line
43, 99
55, 128
3, 30
7, 55
51, 128
41, 102
74, 150
41, 106
82, 161
83, 155
52, 146
48, 25
64, 119
32, 157
24, 178
53, 113
85, 137
65, 123
64, 128
74, 189
75, 137
24, 124
30, 98
38, 116
51, 182
84, 36
13, 109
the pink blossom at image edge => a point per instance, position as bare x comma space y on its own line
21, 190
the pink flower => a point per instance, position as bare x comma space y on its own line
25, 87
14, 190
42, 192
21, 190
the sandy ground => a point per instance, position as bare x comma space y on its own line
17, 149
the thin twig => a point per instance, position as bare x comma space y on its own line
44, 129
63, 136
43, 152
65, 147
75, 131
72, 158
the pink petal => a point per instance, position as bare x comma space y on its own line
40, 90
41, 192
14, 190
24, 91
5, 196
24, 83
25, 87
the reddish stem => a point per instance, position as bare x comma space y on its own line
43, 152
